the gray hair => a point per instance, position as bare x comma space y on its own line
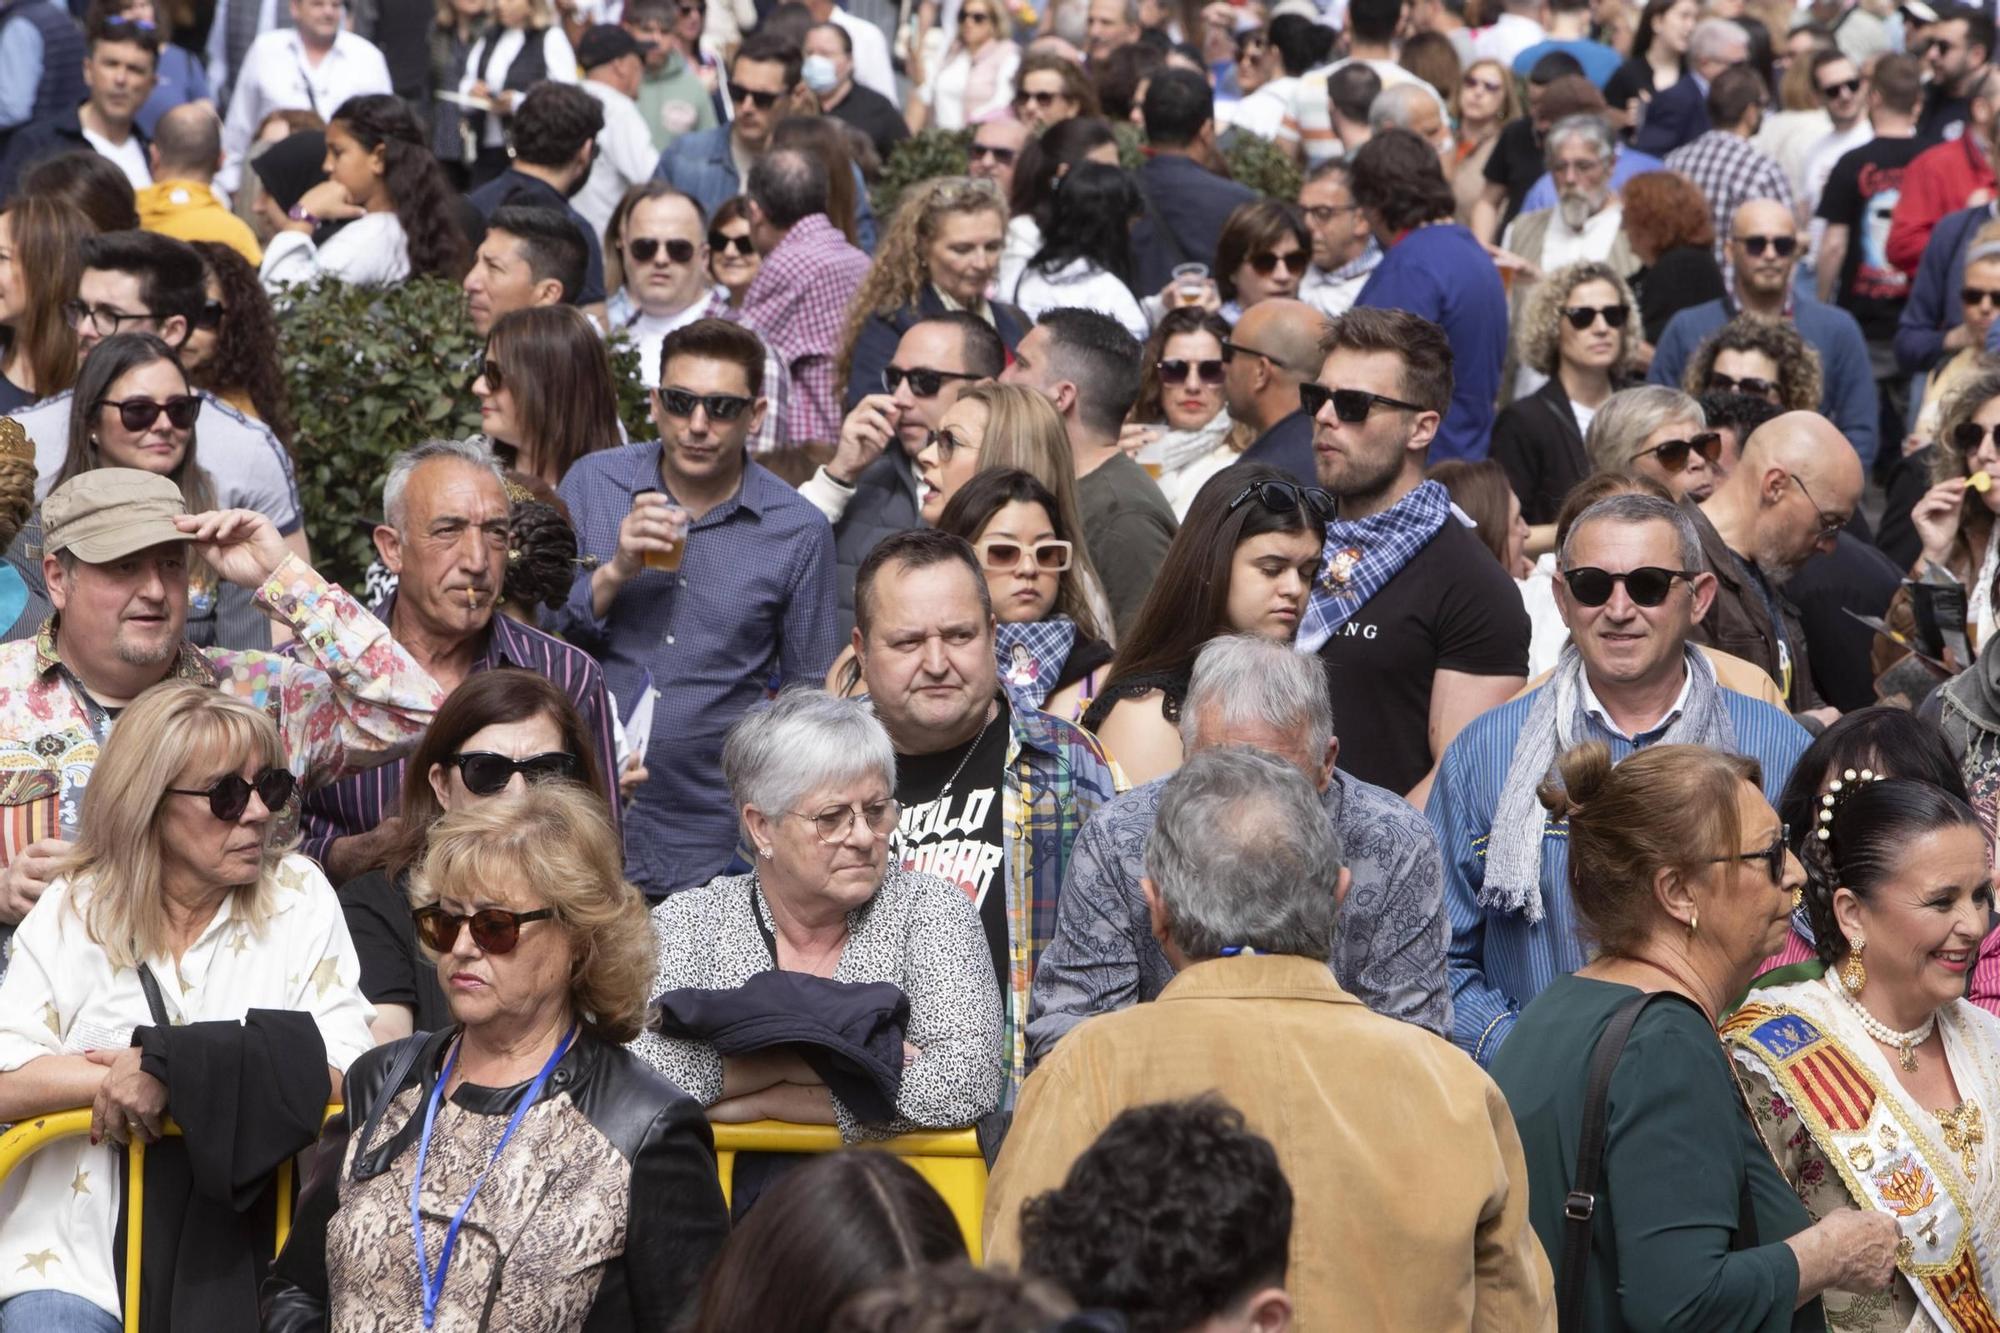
1583, 125
1247, 678
1243, 854
473, 451
1627, 417
1714, 39
1395, 105
803, 740
1632, 508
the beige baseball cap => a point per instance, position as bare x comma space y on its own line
109, 513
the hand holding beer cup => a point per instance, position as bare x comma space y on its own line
652, 536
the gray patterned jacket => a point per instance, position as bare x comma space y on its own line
1389, 938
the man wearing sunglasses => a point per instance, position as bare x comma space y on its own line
1269, 354
752, 603
868, 490
1764, 249
1418, 635
1632, 588
709, 165
117, 542
553, 139
444, 535
996, 148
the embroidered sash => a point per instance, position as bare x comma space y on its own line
1885, 1160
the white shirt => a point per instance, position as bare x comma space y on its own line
216, 52
129, 156
1330, 295
1819, 164
1024, 237
277, 77
1594, 706
371, 251
557, 58
625, 156
871, 54
1081, 283
945, 93
1263, 111
1509, 35
649, 331
61, 996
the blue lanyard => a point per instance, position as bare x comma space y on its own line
1236, 950
434, 1286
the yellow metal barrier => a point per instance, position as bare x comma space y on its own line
949, 1160
31, 1135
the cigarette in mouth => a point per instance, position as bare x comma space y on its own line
471, 599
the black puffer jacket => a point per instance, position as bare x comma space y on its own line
609, 1149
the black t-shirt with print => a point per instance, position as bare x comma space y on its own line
957, 835
1451, 608
1860, 194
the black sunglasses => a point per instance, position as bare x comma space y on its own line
643, 249
947, 444
1179, 371
1972, 296
722, 245
1781, 246
924, 383
1285, 496
494, 929
490, 370
211, 316
738, 94
1004, 156
1969, 435
1773, 856
719, 406
1646, 586
229, 795
1581, 317
1043, 99
487, 774
1673, 454
1230, 351
1349, 405
1841, 89
1266, 263
974, 16
137, 414
1750, 384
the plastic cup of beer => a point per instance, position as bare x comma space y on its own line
1149, 459
668, 560
1188, 280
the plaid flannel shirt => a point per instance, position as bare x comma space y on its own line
798, 305
1729, 172
1056, 777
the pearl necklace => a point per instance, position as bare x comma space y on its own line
1906, 1043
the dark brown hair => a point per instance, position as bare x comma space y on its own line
1176, 322
503, 694
1482, 490
1668, 807
973, 506
1252, 229
110, 361
1398, 177
246, 345
47, 234
1076, 84
1426, 352
555, 365
93, 185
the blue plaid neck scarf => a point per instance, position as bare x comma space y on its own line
1031, 656
1363, 554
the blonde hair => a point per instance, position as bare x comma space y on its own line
1541, 321
556, 840
17, 478
174, 728
897, 277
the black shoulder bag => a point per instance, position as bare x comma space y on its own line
1580, 1206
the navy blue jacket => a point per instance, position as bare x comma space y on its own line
1288, 447
1675, 117
1933, 308
50, 136
62, 58
516, 187
1186, 207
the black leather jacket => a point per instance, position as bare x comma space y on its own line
674, 1215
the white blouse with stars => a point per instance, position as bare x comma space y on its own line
62, 997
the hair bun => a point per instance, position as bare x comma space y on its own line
1581, 772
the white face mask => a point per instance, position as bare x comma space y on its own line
820, 73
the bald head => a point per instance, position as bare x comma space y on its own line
1763, 217
1288, 332
187, 144
1798, 480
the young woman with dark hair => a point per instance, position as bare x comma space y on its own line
1242, 563
1180, 398
1045, 159
41, 243
232, 348
546, 395
401, 214
1086, 254
1263, 251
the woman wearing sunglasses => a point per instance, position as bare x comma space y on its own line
1657, 432
813, 777
1979, 304
495, 734
1758, 357
733, 260
180, 886
1577, 329
1243, 562
1086, 255
1191, 436
1263, 251
974, 81
232, 346
1682, 878
517, 1159
545, 390
1483, 103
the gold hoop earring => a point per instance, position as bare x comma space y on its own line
1854, 972
1694, 924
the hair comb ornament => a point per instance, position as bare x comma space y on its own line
14, 441
1839, 790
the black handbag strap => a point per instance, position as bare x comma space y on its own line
154, 1000
1581, 1204
400, 1070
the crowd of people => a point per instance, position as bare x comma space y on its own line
1232, 647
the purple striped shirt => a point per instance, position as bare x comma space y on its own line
357, 803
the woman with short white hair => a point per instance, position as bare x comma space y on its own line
814, 779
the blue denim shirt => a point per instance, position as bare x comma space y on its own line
752, 607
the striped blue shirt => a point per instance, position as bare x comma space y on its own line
1498, 960
753, 605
